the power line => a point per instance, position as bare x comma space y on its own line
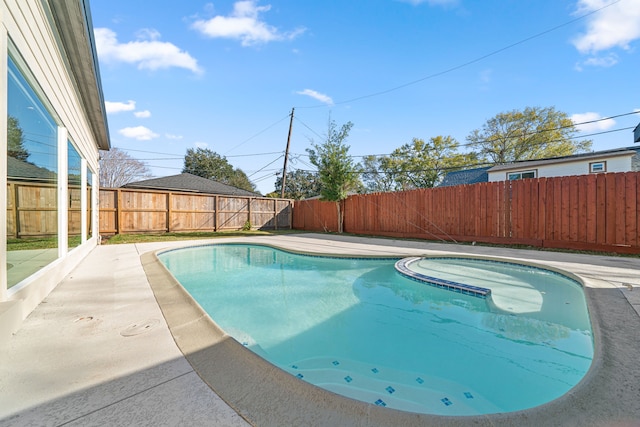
257, 134
465, 64
485, 141
182, 157
268, 164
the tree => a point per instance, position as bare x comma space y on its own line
419, 164
118, 168
534, 133
337, 173
15, 140
300, 184
209, 164
376, 174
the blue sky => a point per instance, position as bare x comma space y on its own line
226, 75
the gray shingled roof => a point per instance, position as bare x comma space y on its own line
24, 171
190, 183
467, 176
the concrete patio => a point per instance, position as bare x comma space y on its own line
98, 350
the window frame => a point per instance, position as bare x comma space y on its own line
600, 162
520, 173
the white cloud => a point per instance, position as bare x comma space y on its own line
140, 133
117, 107
147, 51
613, 26
200, 144
142, 114
591, 122
172, 136
316, 95
244, 24
602, 61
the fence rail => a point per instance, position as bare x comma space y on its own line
32, 209
586, 212
124, 210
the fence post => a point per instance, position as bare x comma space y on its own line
169, 195
118, 210
216, 210
16, 211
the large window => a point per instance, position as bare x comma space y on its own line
32, 166
89, 203
74, 183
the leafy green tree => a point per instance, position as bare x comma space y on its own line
300, 184
338, 175
376, 174
419, 164
534, 133
15, 140
209, 164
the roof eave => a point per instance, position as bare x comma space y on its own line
73, 23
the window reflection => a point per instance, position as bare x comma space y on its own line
74, 164
89, 203
32, 197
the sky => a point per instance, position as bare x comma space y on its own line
227, 75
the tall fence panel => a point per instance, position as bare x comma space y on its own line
587, 212
32, 210
124, 210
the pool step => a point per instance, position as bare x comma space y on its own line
403, 267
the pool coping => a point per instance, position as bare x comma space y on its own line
266, 395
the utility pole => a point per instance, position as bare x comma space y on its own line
286, 157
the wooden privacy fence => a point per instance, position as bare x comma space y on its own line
587, 212
124, 210
32, 209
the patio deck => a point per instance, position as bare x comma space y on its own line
98, 350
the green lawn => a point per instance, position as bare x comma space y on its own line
167, 237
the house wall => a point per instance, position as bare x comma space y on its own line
571, 168
28, 34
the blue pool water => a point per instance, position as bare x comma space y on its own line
359, 328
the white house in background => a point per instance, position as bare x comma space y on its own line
52, 122
616, 160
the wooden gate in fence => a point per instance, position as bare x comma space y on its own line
125, 211
586, 212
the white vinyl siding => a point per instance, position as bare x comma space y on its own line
619, 163
33, 38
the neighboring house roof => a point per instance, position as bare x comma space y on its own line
467, 176
24, 171
190, 183
626, 151
75, 30
636, 134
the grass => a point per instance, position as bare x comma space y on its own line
39, 243
169, 237
52, 242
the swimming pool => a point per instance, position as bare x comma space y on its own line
358, 328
